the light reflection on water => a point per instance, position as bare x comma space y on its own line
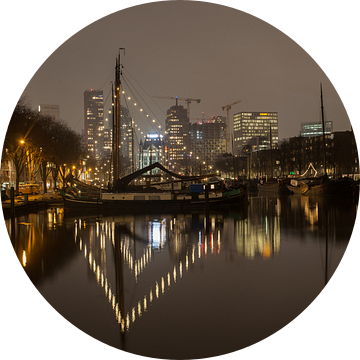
184, 273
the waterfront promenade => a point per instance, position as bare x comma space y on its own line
33, 203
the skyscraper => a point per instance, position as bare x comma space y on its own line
94, 122
177, 136
255, 128
311, 129
208, 139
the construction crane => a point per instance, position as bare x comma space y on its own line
228, 125
187, 100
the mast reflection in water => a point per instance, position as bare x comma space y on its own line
185, 285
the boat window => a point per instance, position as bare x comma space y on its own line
137, 197
154, 197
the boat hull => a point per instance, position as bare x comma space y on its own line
342, 187
273, 189
296, 190
153, 202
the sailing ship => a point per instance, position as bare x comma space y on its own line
191, 194
154, 201
322, 185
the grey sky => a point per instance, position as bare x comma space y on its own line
189, 49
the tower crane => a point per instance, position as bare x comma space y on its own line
228, 127
187, 100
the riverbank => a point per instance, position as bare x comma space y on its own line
32, 204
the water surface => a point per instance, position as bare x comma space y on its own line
185, 285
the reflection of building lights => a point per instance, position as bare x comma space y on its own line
311, 213
218, 241
133, 314
155, 233
139, 309
24, 260
98, 274
139, 265
266, 250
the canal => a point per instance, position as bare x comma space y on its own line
185, 285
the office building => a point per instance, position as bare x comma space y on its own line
208, 139
152, 150
94, 122
50, 110
256, 129
177, 136
311, 129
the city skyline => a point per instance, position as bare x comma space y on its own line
264, 68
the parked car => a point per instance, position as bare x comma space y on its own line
29, 189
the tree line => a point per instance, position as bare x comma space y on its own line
41, 144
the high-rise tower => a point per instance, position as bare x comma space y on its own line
177, 137
255, 127
94, 122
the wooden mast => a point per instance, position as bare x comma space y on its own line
323, 127
117, 128
132, 145
271, 155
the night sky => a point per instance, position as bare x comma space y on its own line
191, 50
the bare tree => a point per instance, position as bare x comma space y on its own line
40, 143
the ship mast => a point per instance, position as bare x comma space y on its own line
117, 123
323, 127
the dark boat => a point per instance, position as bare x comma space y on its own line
154, 201
322, 185
125, 197
274, 187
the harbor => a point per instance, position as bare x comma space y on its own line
135, 269
179, 180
